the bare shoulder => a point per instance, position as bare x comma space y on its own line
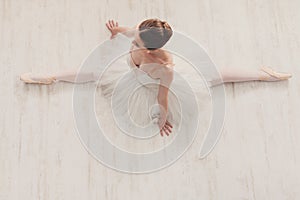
166, 56
166, 73
163, 71
166, 68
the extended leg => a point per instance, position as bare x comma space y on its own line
243, 75
71, 76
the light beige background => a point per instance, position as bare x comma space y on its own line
257, 156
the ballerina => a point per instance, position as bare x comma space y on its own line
148, 56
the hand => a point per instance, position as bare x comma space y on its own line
165, 127
112, 26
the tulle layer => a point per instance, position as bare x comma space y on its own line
133, 96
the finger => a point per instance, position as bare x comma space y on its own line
161, 133
110, 23
107, 25
166, 131
169, 129
117, 24
113, 22
167, 122
168, 125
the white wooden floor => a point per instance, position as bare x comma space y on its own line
258, 155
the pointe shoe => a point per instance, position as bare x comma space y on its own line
38, 79
277, 76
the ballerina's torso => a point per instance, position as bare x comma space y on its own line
152, 69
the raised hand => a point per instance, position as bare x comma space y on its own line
113, 27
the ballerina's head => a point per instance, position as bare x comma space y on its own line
152, 34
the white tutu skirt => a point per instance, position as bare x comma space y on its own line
133, 98
125, 131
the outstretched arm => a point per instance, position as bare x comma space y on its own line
162, 98
114, 28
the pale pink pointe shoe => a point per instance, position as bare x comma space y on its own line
37, 78
274, 76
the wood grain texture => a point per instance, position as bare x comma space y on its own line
258, 155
